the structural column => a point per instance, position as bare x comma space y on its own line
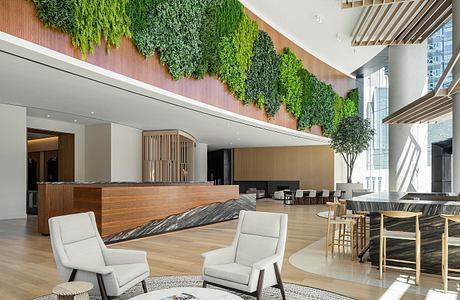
408, 157
456, 101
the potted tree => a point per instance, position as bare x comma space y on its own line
352, 136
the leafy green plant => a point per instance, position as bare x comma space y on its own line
228, 17
198, 37
345, 107
353, 96
177, 29
140, 13
209, 62
236, 55
263, 76
59, 14
290, 82
305, 119
353, 136
95, 19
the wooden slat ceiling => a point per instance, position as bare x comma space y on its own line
434, 106
397, 22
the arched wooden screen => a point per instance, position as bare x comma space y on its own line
168, 156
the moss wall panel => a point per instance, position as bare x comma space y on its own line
17, 17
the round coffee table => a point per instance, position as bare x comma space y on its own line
73, 290
199, 293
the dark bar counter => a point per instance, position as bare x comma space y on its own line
432, 205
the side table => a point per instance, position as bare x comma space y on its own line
74, 290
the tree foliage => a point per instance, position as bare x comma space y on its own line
352, 136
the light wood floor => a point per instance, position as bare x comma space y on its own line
27, 267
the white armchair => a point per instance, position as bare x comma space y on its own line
254, 259
80, 254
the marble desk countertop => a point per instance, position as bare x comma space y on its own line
376, 202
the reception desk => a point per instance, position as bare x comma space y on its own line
431, 205
131, 210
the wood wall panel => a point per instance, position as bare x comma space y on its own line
17, 17
313, 166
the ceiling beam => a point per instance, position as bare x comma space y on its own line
433, 18
370, 23
421, 13
366, 3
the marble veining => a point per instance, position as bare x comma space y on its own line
202, 215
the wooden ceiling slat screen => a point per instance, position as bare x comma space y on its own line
168, 156
397, 22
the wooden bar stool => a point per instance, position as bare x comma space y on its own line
446, 242
334, 222
360, 222
401, 235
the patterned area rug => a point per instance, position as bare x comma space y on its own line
293, 291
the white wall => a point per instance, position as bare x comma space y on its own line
13, 151
98, 152
79, 134
408, 156
340, 169
126, 153
201, 162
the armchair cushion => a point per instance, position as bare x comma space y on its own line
103, 270
230, 272
85, 252
267, 262
261, 224
122, 256
126, 273
253, 248
219, 256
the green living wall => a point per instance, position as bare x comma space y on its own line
194, 38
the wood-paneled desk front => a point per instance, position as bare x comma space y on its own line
130, 210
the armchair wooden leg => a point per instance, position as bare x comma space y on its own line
100, 281
204, 283
280, 282
260, 285
144, 286
72, 275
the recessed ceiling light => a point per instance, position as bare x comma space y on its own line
338, 37
75, 120
48, 116
92, 112
318, 18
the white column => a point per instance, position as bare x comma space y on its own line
201, 162
456, 108
408, 157
13, 158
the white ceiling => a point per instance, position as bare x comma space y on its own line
67, 89
296, 19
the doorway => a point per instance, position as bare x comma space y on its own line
50, 158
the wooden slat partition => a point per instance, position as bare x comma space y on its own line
168, 156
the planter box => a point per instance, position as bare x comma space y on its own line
348, 188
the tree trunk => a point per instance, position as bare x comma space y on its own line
349, 173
